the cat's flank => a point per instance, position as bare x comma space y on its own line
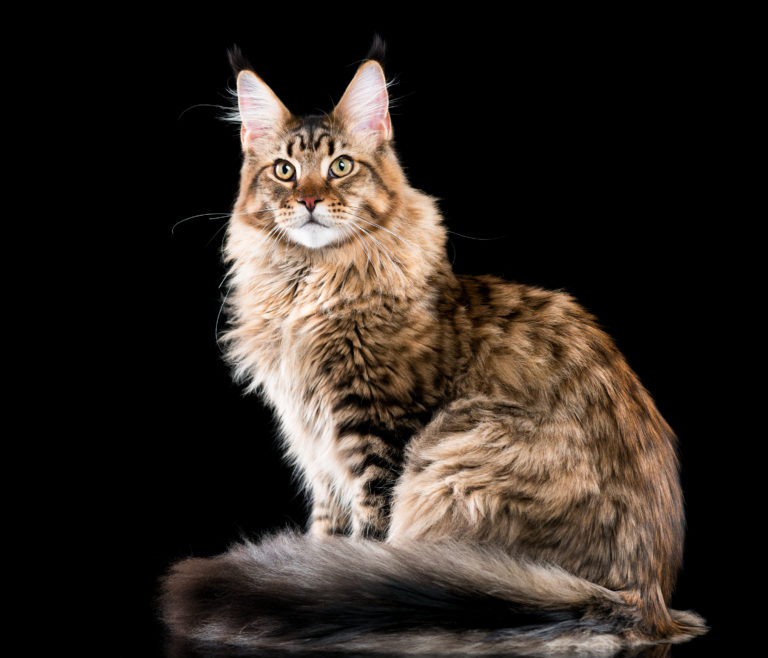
486, 472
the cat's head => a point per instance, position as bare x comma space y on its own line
319, 181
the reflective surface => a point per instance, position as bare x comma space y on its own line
182, 650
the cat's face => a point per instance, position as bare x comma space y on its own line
318, 181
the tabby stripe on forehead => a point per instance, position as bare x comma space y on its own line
292, 141
319, 141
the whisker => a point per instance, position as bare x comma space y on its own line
392, 258
218, 317
471, 237
218, 215
192, 107
219, 230
453, 249
368, 221
277, 231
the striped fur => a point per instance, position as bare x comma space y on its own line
506, 482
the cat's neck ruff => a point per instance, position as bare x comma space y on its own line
280, 277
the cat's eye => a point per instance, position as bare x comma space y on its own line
341, 166
284, 170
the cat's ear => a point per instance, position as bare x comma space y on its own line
364, 107
261, 112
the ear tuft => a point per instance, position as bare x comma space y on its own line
364, 108
378, 50
260, 109
237, 60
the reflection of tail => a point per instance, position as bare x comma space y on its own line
297, 592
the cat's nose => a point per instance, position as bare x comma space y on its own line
310, 201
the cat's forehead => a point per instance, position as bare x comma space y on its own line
313, 136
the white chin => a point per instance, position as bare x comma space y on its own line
314, 236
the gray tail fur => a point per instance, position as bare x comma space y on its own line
298, 593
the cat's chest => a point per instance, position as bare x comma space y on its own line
327, 356
309, 359
310, 367
319, 350
316, 348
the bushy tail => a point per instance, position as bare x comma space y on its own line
295, 592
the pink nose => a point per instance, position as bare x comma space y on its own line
310, 201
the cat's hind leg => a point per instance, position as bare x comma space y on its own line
488, 472
483, 469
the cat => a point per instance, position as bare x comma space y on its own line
486, 473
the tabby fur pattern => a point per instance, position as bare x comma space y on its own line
486, 472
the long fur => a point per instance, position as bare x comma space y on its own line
484, 431
295, 592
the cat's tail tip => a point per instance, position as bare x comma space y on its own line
686, 625
195, 587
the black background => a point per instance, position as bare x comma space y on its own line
580, 152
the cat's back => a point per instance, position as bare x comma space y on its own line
529, 340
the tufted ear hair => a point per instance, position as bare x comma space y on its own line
364, 107
261, 111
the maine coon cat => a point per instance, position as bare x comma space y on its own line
486, 473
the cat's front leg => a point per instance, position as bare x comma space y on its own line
373, 467
329, 515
